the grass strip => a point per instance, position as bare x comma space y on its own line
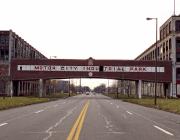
170, 105
8, 102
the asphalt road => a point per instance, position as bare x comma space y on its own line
88, 117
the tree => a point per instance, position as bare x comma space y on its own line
100, 89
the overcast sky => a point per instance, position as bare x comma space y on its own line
79, 29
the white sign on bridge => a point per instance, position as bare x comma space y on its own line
88, 68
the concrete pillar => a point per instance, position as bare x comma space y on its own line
151, 91
11, 88
30, 88
170, 89
40, 87
22, 88
138, 88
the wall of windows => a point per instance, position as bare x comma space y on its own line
4, 40
21, 49
4, 54
177, 25
177, 42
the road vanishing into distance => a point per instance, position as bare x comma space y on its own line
88, 117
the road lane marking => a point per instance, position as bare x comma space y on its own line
114, 132
167, 132
26, 115
76, 129
81, 124
39, 111
153, 121
2, 124
50, 131
129, 112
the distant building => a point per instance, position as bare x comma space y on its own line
11, 47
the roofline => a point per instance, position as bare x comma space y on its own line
23, 40
147, 50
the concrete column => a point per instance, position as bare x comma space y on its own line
151, 91
170, 89
22, 88
40, 87
138, 88
11, 88
30, 88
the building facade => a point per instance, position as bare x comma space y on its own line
168, 48
12, 46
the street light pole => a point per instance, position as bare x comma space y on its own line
174, 7
155, 92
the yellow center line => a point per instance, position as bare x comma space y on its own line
76, 137
76, 129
